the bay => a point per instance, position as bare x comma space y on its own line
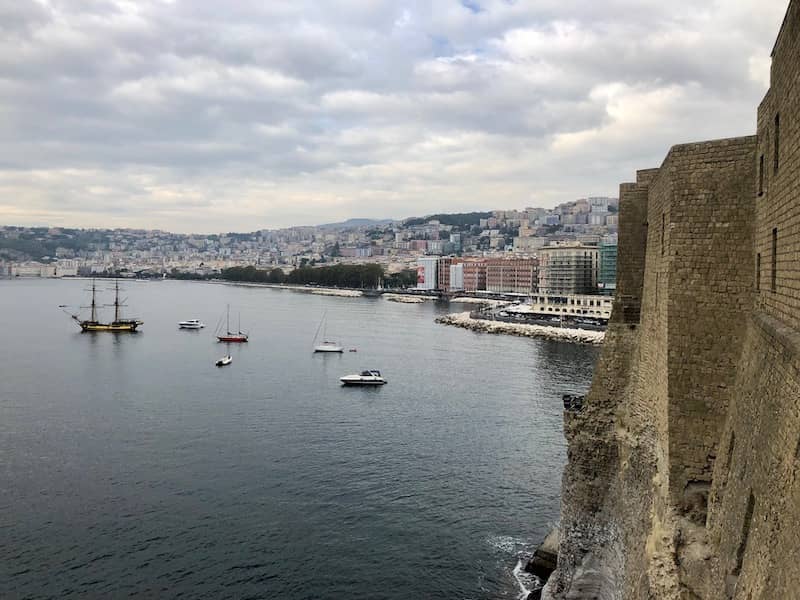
131, 466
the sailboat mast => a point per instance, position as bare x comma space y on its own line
228, 320
94, 304
116, 301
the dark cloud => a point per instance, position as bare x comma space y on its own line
253, 113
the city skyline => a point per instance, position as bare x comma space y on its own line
188, 117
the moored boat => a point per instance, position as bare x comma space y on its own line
118, 325
191, 324
229, 336
224, 361
370, 377
326, 345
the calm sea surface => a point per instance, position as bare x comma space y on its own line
131, 466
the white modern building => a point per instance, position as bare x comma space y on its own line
426, 273
457, 277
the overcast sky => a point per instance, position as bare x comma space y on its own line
236, 115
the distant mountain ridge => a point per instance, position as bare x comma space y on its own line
356, 223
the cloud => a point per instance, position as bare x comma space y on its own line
207, 116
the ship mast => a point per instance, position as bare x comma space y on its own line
116, 301
94, 306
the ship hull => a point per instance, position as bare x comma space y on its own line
234, 339
111, 327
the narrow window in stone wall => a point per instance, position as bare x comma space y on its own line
663, 220
758, 272
774, 274
761, 175
777, 140
748, 522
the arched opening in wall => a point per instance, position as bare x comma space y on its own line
746, 526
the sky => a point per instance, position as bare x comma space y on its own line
209, 116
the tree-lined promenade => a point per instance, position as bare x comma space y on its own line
343, 276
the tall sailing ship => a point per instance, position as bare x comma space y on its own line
118, 325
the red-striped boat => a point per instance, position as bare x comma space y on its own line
229, 336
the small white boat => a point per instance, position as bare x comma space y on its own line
191, 324
226, 360
371, 377
328, 347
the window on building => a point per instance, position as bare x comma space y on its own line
663, 221
761, 175
776, 149
758, 271
774, 274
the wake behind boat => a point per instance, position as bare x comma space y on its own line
371, 377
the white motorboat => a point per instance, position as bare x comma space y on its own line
224, 361
326, 345
191, 324
371, 377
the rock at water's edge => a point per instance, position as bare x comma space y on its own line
545, 559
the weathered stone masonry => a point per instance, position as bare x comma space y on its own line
683, 478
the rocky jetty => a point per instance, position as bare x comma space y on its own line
582, 336
405, 299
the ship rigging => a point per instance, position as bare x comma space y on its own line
118, 325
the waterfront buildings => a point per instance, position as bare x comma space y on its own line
426, 273
571, 305
512, 276
456, 277
607, 273
568, 270
474, 275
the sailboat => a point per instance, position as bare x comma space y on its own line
118, 325
326, 345
230, 336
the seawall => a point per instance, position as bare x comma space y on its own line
683, 475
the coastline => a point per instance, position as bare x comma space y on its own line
319, 291
581, 336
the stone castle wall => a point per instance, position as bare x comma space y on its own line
683, 478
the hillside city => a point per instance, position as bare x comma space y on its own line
568, 250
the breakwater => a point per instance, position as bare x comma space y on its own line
465, 321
